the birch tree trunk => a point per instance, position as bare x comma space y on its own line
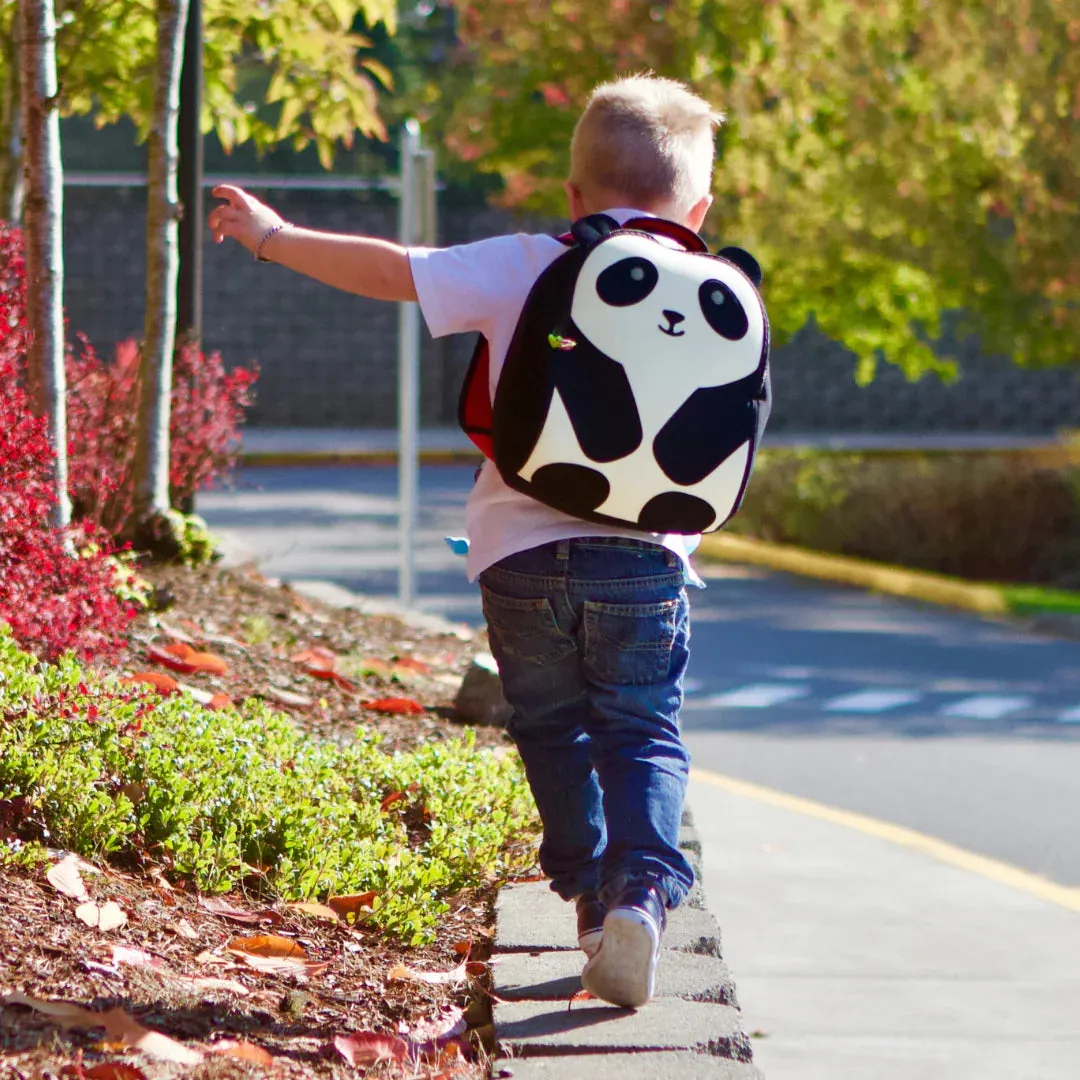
11, 165
151, 526
43, 233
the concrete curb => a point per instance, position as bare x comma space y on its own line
693, 1028
897, 580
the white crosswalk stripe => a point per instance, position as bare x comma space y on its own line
987, 706
871, 701
754, 696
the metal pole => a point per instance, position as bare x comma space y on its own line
408, 373
190, 181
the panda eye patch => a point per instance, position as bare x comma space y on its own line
722, 310
627, 282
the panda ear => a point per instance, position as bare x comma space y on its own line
744, 261
589, 231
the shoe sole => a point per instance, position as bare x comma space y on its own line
624, 970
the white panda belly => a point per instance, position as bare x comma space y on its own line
637, 478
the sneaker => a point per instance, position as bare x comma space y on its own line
590, 922
623, 971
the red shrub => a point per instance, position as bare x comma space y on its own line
208, 406
52, 601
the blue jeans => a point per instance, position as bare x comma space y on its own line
592, 638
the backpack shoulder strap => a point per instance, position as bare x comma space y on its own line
671, 230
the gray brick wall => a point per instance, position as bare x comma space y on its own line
329, 359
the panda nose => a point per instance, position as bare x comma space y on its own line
673, 318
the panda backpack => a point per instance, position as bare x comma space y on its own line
636, 386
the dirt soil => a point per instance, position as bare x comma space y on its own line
169, 970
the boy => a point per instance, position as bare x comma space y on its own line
589, 623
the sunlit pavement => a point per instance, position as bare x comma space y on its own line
957, 726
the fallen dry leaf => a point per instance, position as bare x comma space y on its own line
107, 1070
207, 957
246, 1051
274, 955
174, 657
217, 905
220, 701
184, 929
186, 660
432, 1034
398, 705
475, 967
401, 973
320, 911
208, 982
463, 948
288, 698
163, 684
317, 660
367, 1047
353, 903
267, 945
175, 633
65, 878
283, 965
107, 916
118, 1025
125, 954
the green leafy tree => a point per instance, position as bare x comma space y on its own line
888, 162
274, 70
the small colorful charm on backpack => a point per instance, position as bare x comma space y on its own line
563, 344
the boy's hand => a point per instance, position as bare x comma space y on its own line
241, 216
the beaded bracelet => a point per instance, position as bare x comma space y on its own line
273, 230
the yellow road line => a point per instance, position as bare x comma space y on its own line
1012, 876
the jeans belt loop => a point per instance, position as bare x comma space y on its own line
562, 550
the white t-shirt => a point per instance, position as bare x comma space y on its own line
482, 287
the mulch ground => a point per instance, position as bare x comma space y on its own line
169, 969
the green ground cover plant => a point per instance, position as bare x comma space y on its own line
244, 798
1002, 517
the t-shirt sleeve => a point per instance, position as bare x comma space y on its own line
464, 288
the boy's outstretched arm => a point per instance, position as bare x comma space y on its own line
358, 264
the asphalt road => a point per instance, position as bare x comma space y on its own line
962, 727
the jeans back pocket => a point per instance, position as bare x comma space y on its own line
525, 628
630, 644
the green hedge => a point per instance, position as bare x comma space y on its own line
1008, 517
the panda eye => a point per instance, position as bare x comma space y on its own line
722, 310
627, 282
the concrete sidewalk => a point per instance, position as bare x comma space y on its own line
692, 1030
859, 958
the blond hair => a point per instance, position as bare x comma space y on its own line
648, 139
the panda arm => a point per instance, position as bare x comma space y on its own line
706, 429
599, 401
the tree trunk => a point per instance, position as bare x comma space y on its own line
43, 233
151, 527
11, 165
